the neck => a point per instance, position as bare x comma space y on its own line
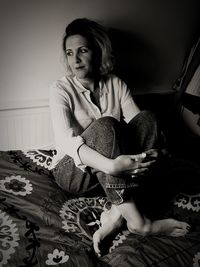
89, 83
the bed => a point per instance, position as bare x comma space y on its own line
41, 225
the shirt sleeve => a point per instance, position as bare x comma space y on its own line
128, 105
66, 140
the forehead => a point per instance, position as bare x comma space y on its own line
75, 41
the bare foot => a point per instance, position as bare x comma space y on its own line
170, 227
142, 229
136, 222
111, 221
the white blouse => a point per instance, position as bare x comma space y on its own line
72, 111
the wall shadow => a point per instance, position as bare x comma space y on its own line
137, 61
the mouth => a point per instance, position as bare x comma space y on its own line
79, 68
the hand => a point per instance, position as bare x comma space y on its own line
133, 164
152, 154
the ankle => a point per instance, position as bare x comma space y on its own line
143, 227
135, 227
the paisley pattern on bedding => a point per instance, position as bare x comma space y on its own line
56, 257
190, 202
42, 158
9, 237
81, 216
42, 225
16, 185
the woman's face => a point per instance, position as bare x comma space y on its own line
79, 56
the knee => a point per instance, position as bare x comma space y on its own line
102, 127
107, 122
101, 135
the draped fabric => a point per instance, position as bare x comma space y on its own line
41, 225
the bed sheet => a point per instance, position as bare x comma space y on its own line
41, 225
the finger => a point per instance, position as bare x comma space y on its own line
140, 165
134, 175
146, 164
138, 157
152, 153
152, 150
137, 172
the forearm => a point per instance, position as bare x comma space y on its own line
94, 159
127, 164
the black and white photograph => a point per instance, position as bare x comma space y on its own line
99, 133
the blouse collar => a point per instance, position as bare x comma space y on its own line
81, 88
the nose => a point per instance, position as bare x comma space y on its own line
77, 58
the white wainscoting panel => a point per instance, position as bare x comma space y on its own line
26, 126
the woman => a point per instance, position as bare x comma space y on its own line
103, 140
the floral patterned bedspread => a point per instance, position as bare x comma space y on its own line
41, 225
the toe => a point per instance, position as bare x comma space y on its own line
178, 232
181, 231
185, 226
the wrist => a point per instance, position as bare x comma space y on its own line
110, 167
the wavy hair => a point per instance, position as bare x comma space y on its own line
98, 39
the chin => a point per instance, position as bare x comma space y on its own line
80, 74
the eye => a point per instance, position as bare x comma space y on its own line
69, 53
84, 50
